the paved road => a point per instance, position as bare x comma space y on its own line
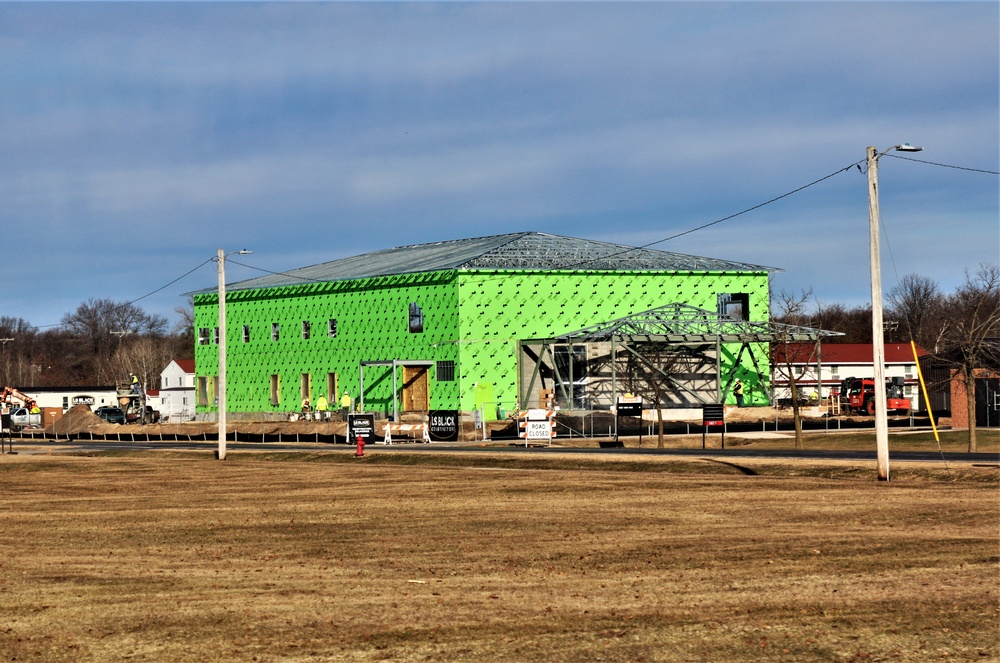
77, 446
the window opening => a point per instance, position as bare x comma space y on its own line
202, 394
306, 330
275, 392
735, 306
331, 387
445, 371
305, 386
416, 319
275, 331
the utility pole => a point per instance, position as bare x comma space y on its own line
222, 349
222, 355
878, 343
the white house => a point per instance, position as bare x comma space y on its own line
177, 381
839, 361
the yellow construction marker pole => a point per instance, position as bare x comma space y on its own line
923, 387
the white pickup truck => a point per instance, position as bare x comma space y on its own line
23, 418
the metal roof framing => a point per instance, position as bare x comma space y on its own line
514, 251
675, 325
683, 324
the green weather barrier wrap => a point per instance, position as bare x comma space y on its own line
288, 340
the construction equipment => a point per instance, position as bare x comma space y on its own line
858, 395
132, 401
10, 394
26, 415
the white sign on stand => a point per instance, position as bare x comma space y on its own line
537, 424
538, 430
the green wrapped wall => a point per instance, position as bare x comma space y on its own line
471, 318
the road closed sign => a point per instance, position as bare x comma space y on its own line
538, 430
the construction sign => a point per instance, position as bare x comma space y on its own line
536, 424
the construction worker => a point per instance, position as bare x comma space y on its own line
345, 404
321, 406
738, 391
135, 384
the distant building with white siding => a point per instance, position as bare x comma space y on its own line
839, 361
64, 398
177, 391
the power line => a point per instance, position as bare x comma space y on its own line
267, 271
856, 164
749, 209
717, 221
703, 226
148, 294
944, 165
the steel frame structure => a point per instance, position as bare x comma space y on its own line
677, 329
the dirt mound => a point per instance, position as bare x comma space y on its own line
78, 419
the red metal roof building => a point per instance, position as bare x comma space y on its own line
838, 361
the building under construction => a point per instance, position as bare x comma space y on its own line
491, 323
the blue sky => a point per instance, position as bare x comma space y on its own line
139, 138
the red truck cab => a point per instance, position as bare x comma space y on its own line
858, 395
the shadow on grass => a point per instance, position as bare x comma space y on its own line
741, 468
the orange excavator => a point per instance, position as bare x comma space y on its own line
11, 394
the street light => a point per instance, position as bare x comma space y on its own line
878, 343
222, 347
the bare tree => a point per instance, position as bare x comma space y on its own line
100, 328
917, 303
145, 356
97, 321
17, 342
183, 331
792, 359
972, 335
854, 323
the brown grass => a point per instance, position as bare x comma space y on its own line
326, 557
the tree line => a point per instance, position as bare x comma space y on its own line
916, 309
100, 343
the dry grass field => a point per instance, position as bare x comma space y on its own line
447, 557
